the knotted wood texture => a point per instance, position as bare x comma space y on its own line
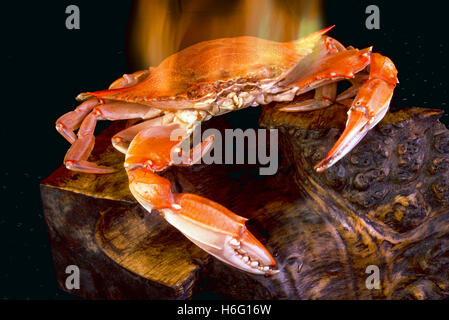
385, 204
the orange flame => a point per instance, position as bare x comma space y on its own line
163, 27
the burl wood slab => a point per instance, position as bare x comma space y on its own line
385, 204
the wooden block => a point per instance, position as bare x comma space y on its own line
123, 252
381, 210
316, 226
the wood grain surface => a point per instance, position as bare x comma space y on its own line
385, 204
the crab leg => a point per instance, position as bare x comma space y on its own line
328, 63
324, 97
368, 108
209, 225
122, 139
71, 121
77, 155
323, 66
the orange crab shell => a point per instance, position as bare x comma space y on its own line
211, 66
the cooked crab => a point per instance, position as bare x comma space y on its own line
209, 79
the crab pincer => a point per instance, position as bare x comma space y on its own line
368, 108
209, 225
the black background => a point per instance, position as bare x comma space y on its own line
44, 66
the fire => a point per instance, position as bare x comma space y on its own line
163, 27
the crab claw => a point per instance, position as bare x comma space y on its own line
368, 108
212, 227
219, 232
209, 225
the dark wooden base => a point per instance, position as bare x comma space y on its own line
124, 252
